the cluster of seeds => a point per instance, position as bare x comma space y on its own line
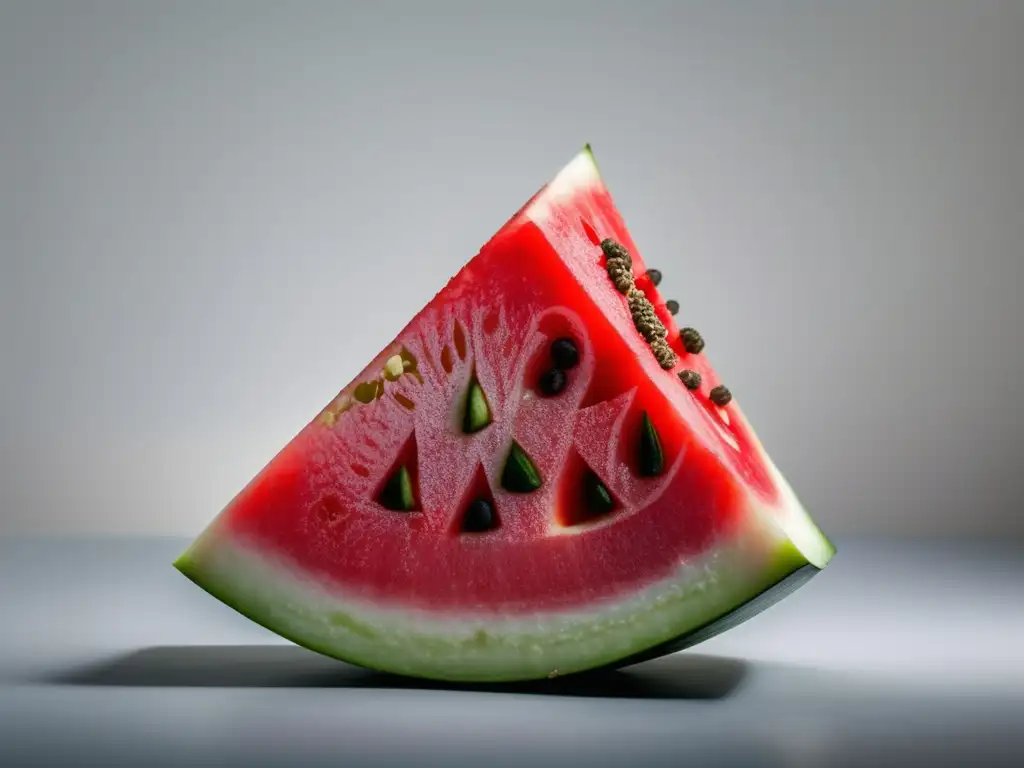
619, 266
650, 327
564, 356
621, 273
693, 343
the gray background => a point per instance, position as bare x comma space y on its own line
902, 653
212, 213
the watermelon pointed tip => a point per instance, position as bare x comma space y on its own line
186, 563
588, 150
183, 562
579, 173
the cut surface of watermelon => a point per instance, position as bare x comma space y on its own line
517, 487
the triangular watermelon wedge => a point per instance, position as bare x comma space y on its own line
541, 474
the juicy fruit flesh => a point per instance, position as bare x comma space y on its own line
418, 559
315, 503
598, 493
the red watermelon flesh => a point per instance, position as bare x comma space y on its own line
362, 538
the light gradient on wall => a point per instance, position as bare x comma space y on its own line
211, 214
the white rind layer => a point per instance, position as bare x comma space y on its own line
791, 516
579, 173
443, 645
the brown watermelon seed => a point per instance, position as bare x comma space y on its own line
690, 378
672, 306
654, 275
615, 250
644, 317
621, 274
663, 353
693, 342
720, 396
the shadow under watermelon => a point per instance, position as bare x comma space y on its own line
678, 676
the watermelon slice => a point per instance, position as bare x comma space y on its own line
541, 474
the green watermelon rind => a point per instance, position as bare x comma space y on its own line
487, 648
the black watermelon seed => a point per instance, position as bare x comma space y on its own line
690, 378
552, 381
652, 461
693, 342
672, 306
720, 395
564, 353
479, 517
654, 275
599, 500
